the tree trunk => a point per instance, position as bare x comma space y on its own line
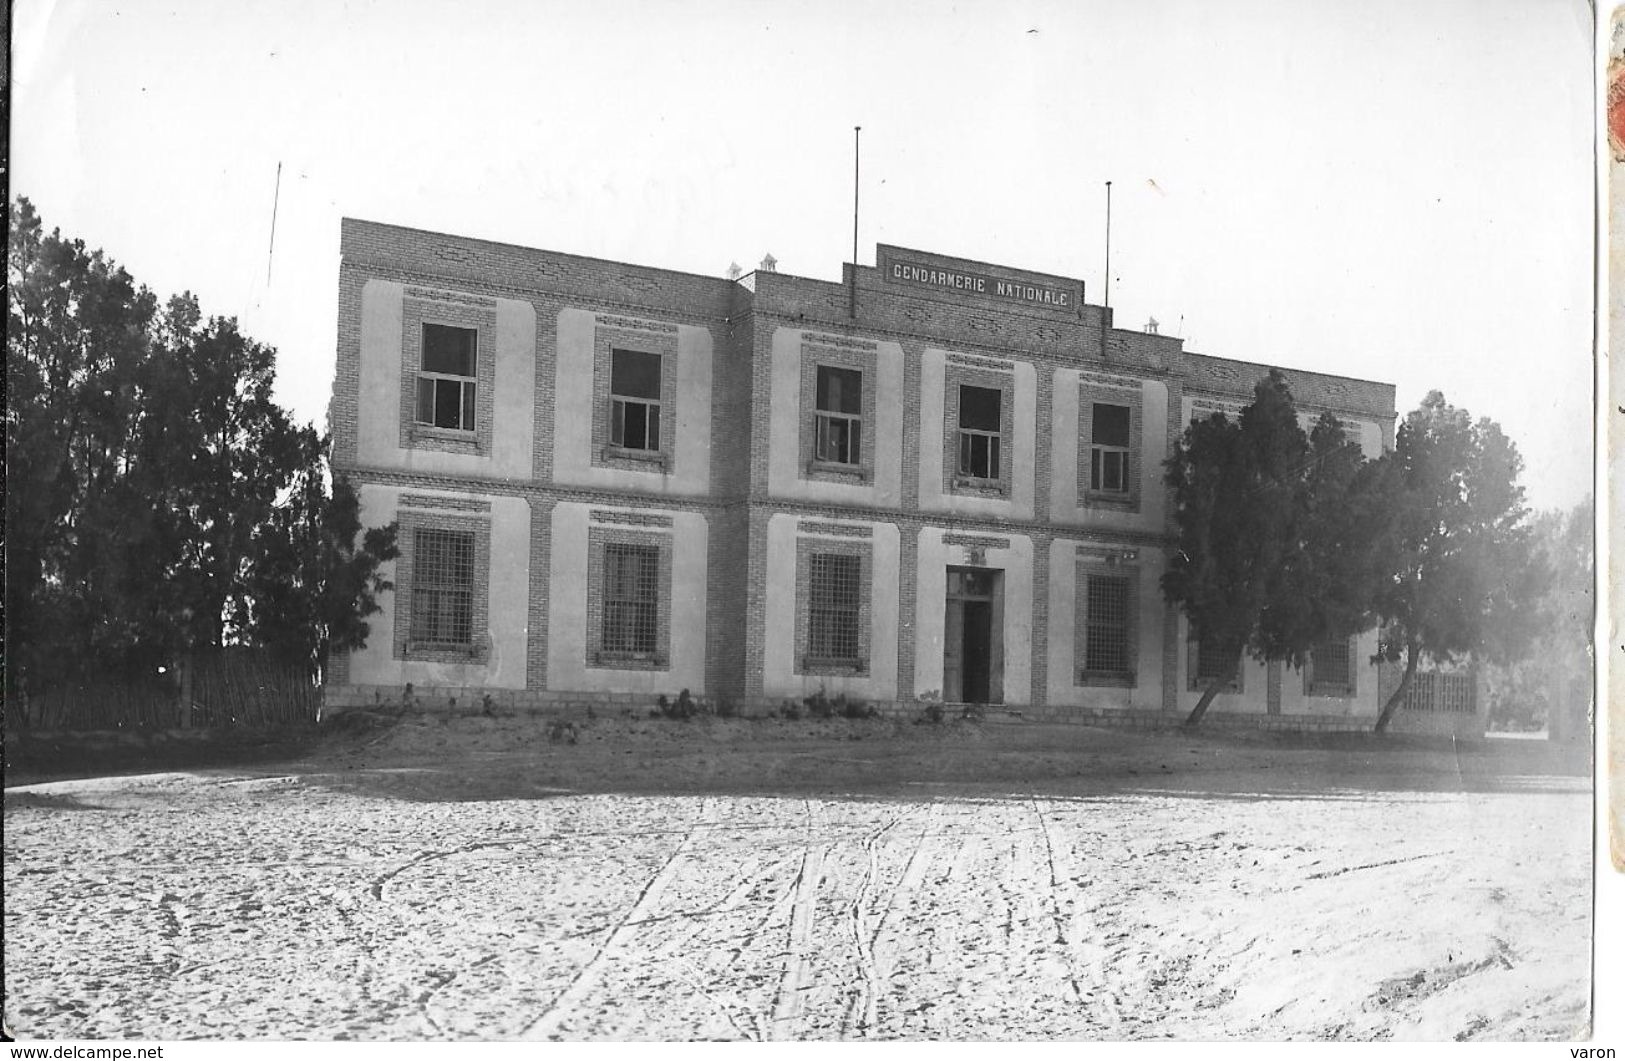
1195, 717
186, 674
1398, 698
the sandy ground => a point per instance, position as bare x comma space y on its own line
815, 880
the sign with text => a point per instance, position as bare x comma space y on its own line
1030, 292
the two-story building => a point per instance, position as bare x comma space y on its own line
938, 479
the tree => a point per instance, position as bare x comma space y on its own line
219, 451
154, 487
78, 340
1550, 685
318, 578
1458, 571
1261, 512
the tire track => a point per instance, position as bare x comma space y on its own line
913, 872
1055, 905
788, 1002
864, 996
546, 1023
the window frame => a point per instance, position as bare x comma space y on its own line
1317, 685
602, 649
627, 619
824, 420
1095, 459
1195, 680
1088, 670
466, 312
831, 621
1101, 452
859, 550
466, 517
467, 384
434, 588
967, 438
652, 407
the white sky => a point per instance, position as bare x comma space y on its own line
1397, 190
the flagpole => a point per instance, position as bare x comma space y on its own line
857, 131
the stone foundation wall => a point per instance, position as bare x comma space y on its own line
469, 701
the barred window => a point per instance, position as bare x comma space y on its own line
446, 377
833, 598
1212, 663
1106, 634
1331, 666
634, 400
838, 421
981, 425
631, 599
1109, 447
442, 588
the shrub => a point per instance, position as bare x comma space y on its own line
791, 710
857, 708
932, 699
684, 707
819, 705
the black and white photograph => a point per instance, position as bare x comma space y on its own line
781, 522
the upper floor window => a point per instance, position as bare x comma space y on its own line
634, 400
446, 377
838, 416
1109, 448
981, 429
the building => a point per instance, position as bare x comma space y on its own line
937, 479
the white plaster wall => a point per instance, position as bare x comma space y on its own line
1064, 506
1023, 447
779, 641
931, 603
1370, 438
574, 410
507, 611
378, 427
1063, 633
567, 616
784, 432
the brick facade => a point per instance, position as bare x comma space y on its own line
405, 277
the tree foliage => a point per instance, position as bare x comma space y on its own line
1458, 572
155, 489
1265, 562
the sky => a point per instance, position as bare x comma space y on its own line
1398, 190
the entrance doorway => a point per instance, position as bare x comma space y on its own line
972, 643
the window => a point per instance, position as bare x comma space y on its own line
1109, 447
833, 600
634, 400
980, 429
442, 588
1106, 626
446, 377
631, 599
1331, 668
1212, 663
838, 419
